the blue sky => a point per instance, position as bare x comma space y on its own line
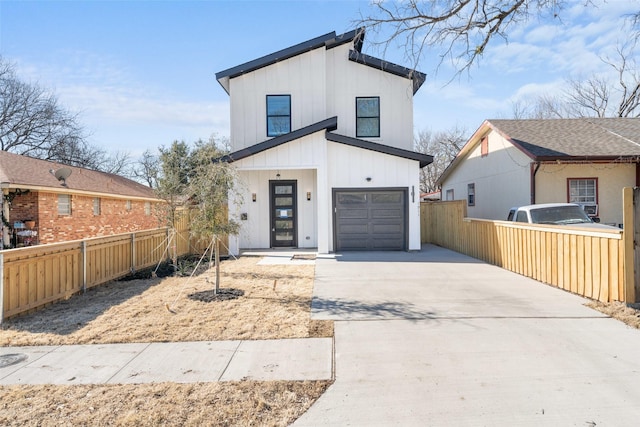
142, 73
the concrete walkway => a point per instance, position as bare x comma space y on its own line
439, 339
186, 362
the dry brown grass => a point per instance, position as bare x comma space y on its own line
629, 314
276, 304
276, 403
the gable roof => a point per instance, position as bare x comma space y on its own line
566, 139
25, 172
328, 41
327, 125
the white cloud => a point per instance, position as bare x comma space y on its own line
110, 97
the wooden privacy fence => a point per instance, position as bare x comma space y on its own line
34, 276
595, 264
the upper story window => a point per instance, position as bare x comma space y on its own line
64, 204
278, 114
96, 205
484, 146
368, 117
127, 205
147, 208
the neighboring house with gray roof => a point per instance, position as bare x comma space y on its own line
322, 139
508, 163
48, 202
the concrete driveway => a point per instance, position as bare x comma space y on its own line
440, 339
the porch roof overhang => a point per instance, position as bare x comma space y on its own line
424, 159
327, 125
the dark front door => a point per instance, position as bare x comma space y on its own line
283, 214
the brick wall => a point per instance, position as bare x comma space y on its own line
114, 217
24, 207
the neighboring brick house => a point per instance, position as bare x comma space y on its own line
39, 208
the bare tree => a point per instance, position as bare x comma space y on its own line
146, 169
600, 95
33, 123
461, 28
443, 146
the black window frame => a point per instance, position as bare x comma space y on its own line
358, 117
277, 115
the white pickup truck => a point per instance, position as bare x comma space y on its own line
554, 213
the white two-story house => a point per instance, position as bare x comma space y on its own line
322, 138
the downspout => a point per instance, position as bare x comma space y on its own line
637, 174
534, 171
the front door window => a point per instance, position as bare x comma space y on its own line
283, 214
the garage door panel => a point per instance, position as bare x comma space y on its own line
352, 198
387, 229
372, 219
387, 213
353, 214
345, 229
386, 197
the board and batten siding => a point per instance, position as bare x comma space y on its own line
552, 186
347, 80
501, 179
296, 160
349, 167
302, 77
255, 230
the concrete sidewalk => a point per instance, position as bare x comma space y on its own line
436, 338
185, 362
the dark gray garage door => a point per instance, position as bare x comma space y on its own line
371, 219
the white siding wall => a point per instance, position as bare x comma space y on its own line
302, 77
348, 167
297, 160
501, 179
255, 231
347, 80
551, 185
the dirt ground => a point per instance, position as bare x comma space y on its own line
629, 314
276, 304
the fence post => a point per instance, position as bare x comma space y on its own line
133, 252
83, 249
628, 222
1, 288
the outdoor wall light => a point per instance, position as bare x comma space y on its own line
308, 195
368, 179
253, 196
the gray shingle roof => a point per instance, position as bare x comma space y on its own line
18, 171
584, 137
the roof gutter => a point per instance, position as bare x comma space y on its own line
6, 186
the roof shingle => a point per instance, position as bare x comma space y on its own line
27, 172
583, 137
